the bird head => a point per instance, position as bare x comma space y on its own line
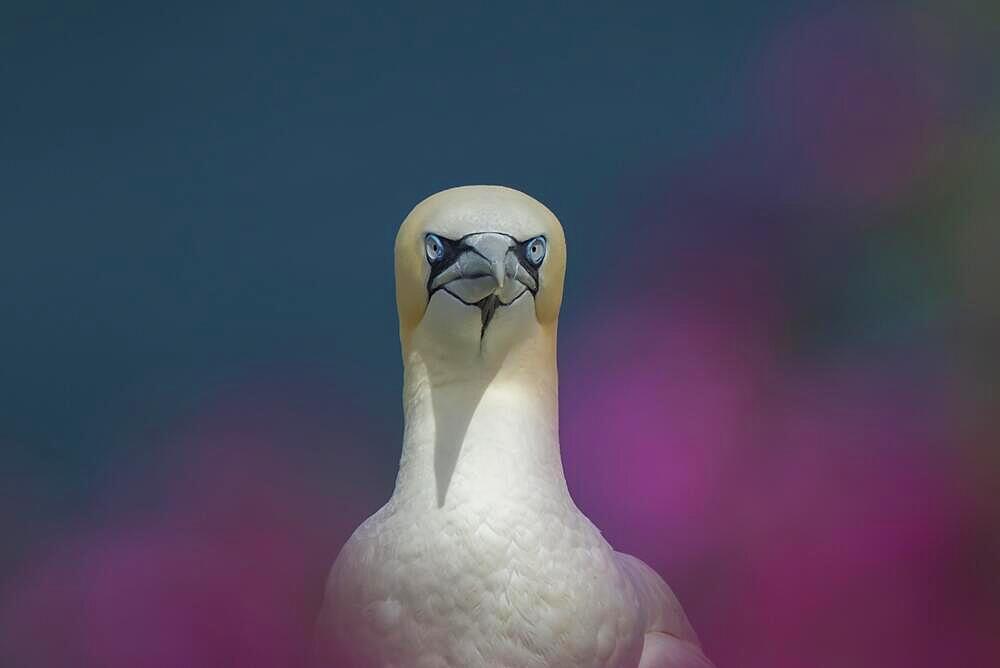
478, 267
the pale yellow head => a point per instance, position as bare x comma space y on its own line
479, 258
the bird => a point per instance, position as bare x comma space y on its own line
481, 558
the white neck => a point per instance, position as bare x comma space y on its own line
480, 423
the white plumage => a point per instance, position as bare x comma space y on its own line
481, 558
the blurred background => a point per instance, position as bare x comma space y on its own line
779, 343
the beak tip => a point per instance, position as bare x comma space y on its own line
499, 273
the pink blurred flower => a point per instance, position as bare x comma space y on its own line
814, 508
225, 565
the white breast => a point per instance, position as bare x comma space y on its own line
523, 582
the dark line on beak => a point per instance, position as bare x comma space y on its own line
487, 307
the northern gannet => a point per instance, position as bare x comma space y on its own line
480, 558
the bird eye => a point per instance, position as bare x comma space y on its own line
534, 250
434, 247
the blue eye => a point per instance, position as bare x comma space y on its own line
534, 250
434, 248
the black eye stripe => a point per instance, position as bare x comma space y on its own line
454, 247
450, 253
521, 250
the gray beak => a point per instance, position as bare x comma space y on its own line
481, 255
485, 271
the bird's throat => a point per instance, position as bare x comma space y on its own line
473, 430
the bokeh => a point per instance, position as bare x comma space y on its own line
779, 344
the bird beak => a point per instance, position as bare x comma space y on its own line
485, 271
480, 269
